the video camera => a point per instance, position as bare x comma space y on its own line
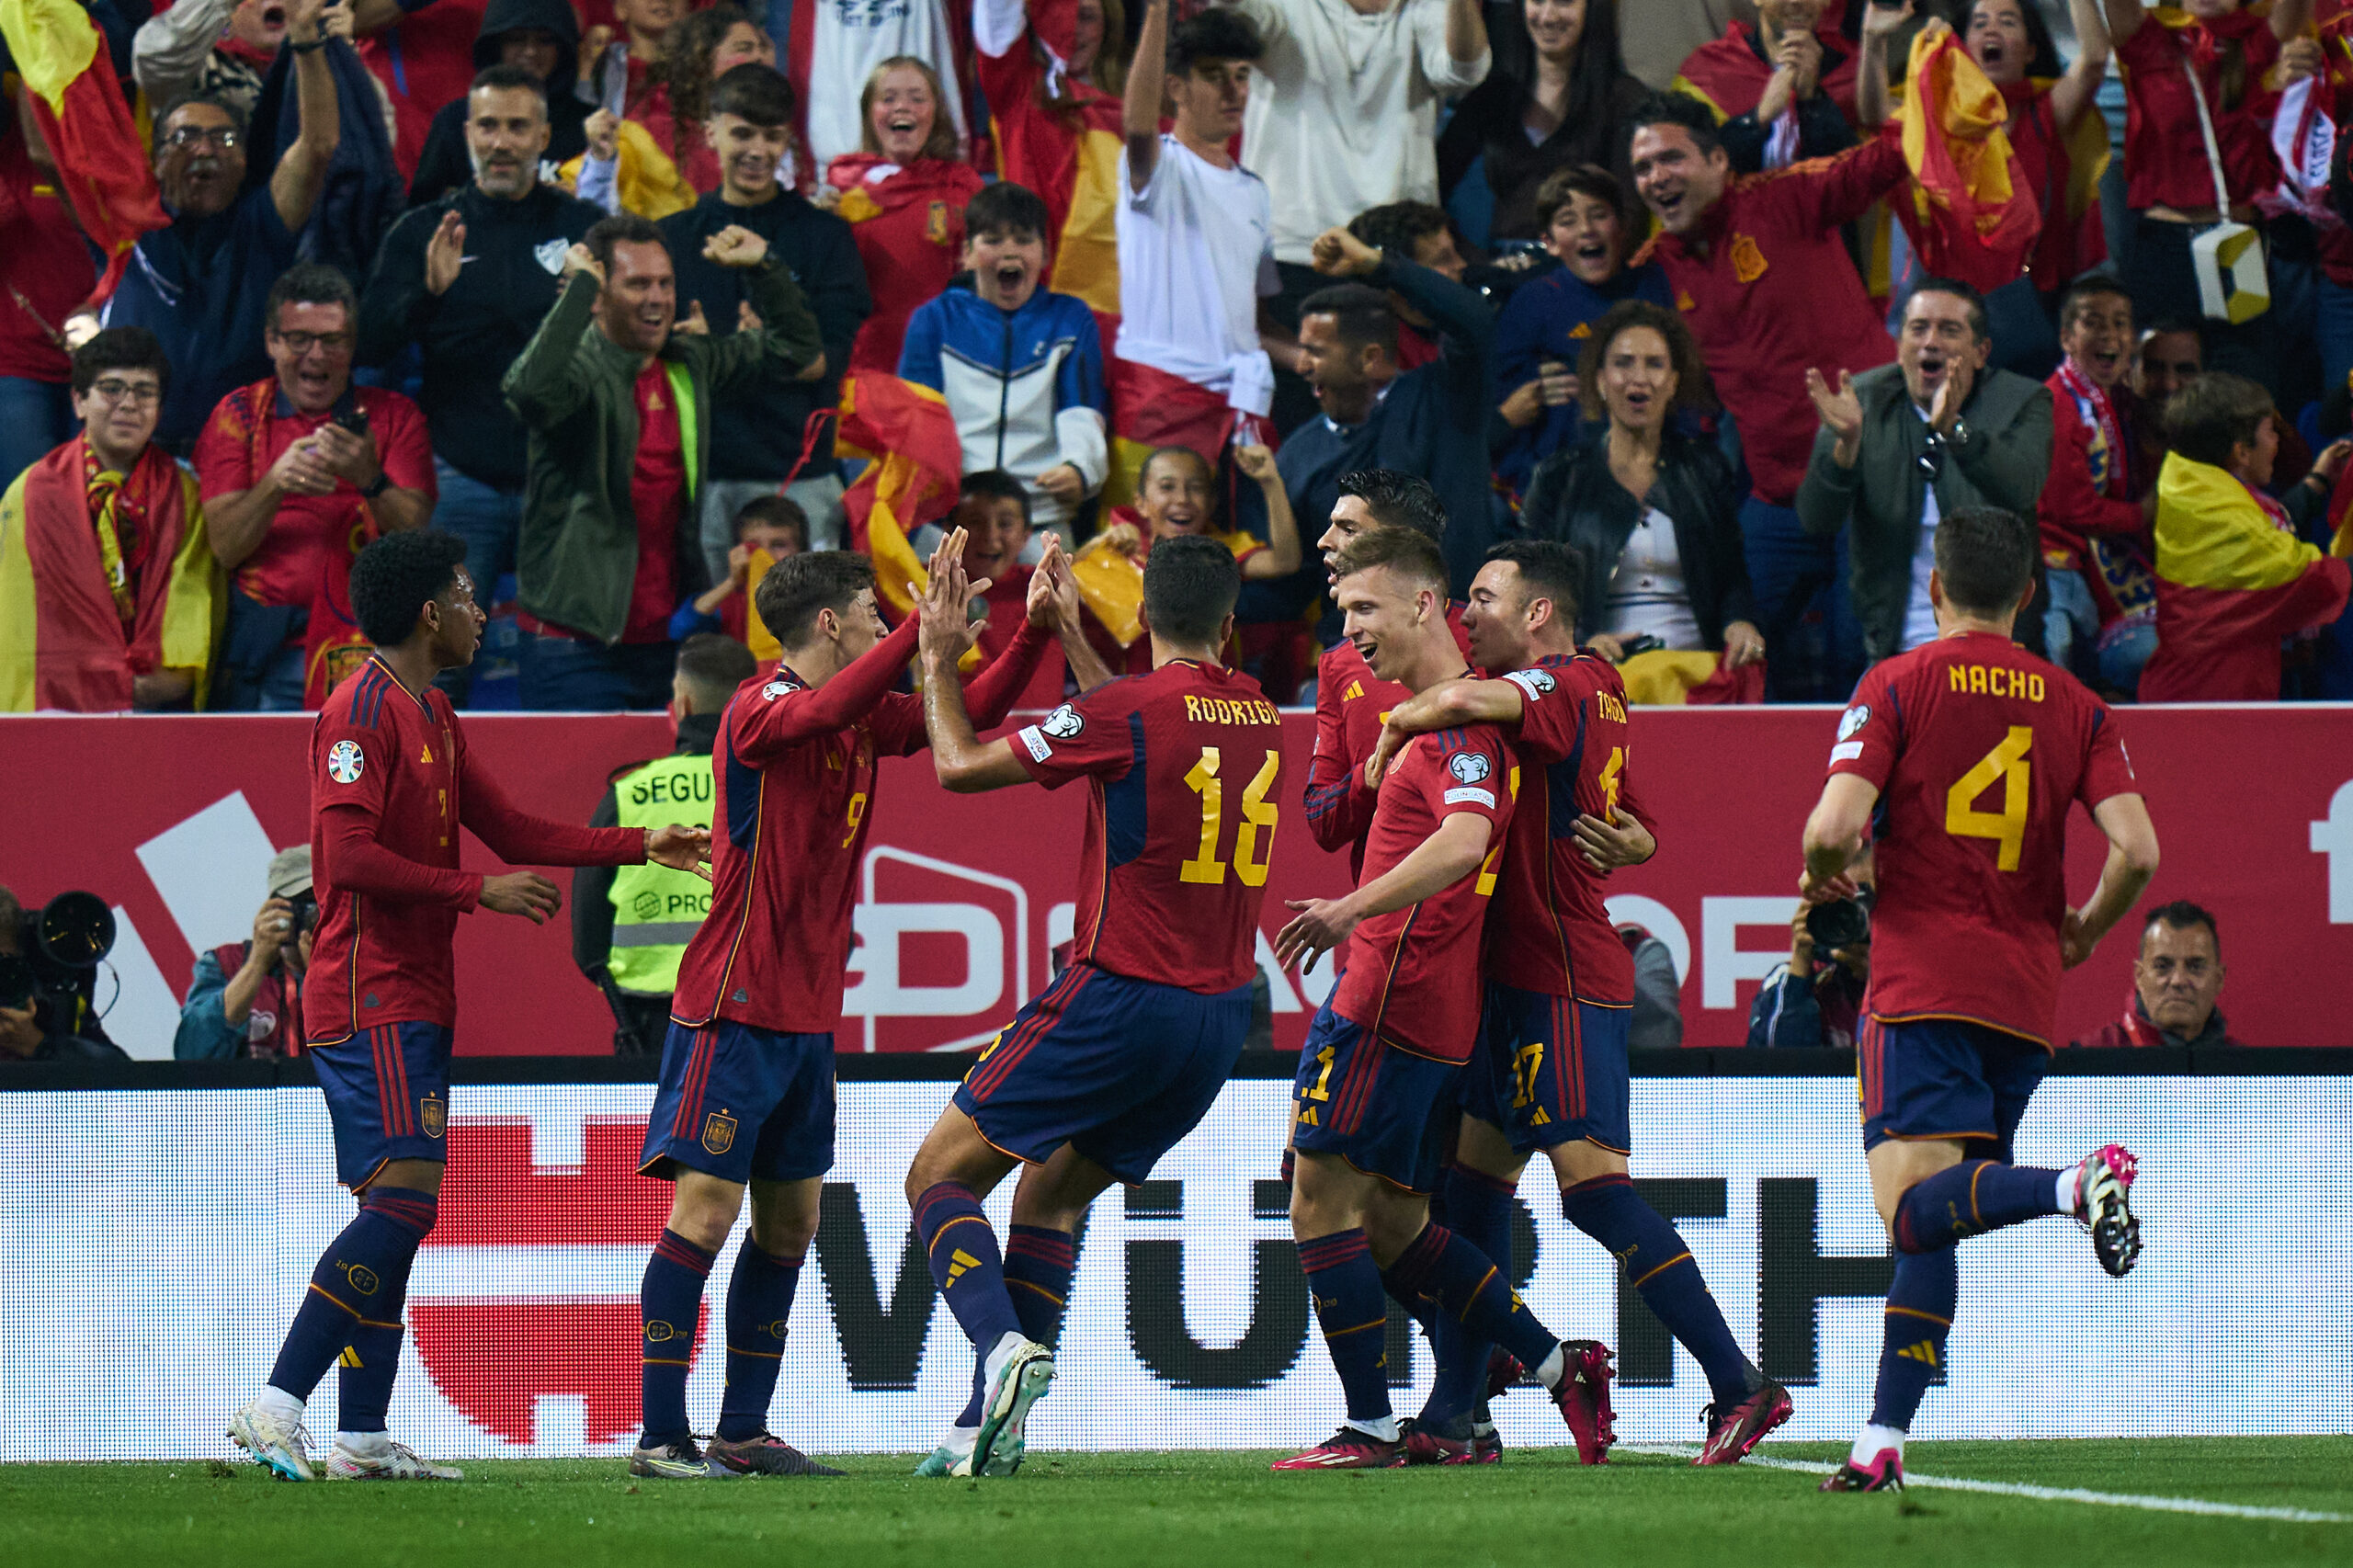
59, 948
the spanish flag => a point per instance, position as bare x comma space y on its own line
647, 182
2232, 580
915, 460
89, 599
1967, 212
102, 168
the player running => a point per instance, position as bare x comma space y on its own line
1115, 1061
1350, 700
1965, 755
1551, 1071
392, 781
1378, 1077
747, 1070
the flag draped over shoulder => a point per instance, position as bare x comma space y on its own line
102, 168
73, 629
914, 460
1969, 214
2231, 580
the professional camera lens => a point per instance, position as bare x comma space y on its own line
76, 930
1840, 924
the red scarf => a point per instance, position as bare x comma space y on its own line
2092, 398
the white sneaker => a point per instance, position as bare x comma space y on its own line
389, 1461
281, 1445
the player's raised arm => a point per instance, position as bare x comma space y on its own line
962, 763
1450, 707
2131, 863
1061, 587
1440, 861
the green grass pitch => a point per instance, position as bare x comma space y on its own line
1211, 1510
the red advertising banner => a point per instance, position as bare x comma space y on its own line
171, 819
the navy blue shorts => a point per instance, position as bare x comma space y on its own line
1946, 1078
1385, 1112
1120, 1069
742, 1103
388, 1096
1551, 1070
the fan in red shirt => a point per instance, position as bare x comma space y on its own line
903, 197
391, 784
1384, 1056
1965, 755
746, 1095
1122, 1055
1551, 1071
1351, 702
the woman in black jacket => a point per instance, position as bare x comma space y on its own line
1655, 513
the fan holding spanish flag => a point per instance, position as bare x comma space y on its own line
1969, 214
76, 104
913, 457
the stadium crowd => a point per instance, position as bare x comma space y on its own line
636, 299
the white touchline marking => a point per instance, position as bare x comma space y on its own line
2042, 1494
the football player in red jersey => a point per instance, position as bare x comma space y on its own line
1122, 1055
392, 781
1350, 700
1550, 1073
746, 1097
1380, 1072
1964, 755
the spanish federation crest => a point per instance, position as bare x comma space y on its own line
345, 762
718, 1132
433, 1116
1469, 767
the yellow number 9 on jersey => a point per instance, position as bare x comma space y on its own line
2007, 763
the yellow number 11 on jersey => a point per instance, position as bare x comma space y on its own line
2007, 763
1257, 811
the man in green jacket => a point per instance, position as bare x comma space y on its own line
1905, 444
616, 396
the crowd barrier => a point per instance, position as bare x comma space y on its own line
159, 1240
963, 897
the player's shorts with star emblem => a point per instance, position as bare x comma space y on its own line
1550, 1070
388, 1096
1120, 1069
1946, 1078
742, 1104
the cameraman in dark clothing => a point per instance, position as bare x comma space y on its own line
246, 997
1816, 998
29, 1027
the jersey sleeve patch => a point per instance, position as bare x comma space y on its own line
1039, 747
1470, 767
345, 762
1853, 719
1536, 684
1846, 750
1470, 794
1064, 723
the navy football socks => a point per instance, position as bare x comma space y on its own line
759, 1301
1038, 1263
670, 1306
1971, 1198
1472, 1289
965, 1263
1478, 1208
1346, 1286
1661, 1270
369, 1363
358, 1280
1920, 1305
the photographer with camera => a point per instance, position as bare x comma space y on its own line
246, 997
1816, 997
44, 1012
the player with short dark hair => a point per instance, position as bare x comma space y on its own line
1121, 1056
746, 1096
1381, 1070
1964, 756
1550, 1073
392, 781
1350, 699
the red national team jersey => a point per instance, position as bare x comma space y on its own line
1351, 704
1978, 749
793, 792
1548, 931
1412, 976
1184, 765
391, 784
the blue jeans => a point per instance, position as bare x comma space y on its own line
260, 669
567, 675
36, 417
488, 519
2122, 657
2334, 312
2070, 621
1813, 645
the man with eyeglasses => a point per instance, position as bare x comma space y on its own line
299, 471
110, 595
199, 284
1905, 444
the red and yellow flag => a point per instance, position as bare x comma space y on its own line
102, 168
1969, 215
914, 460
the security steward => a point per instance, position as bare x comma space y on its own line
630, 924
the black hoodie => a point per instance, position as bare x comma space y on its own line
443, 165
